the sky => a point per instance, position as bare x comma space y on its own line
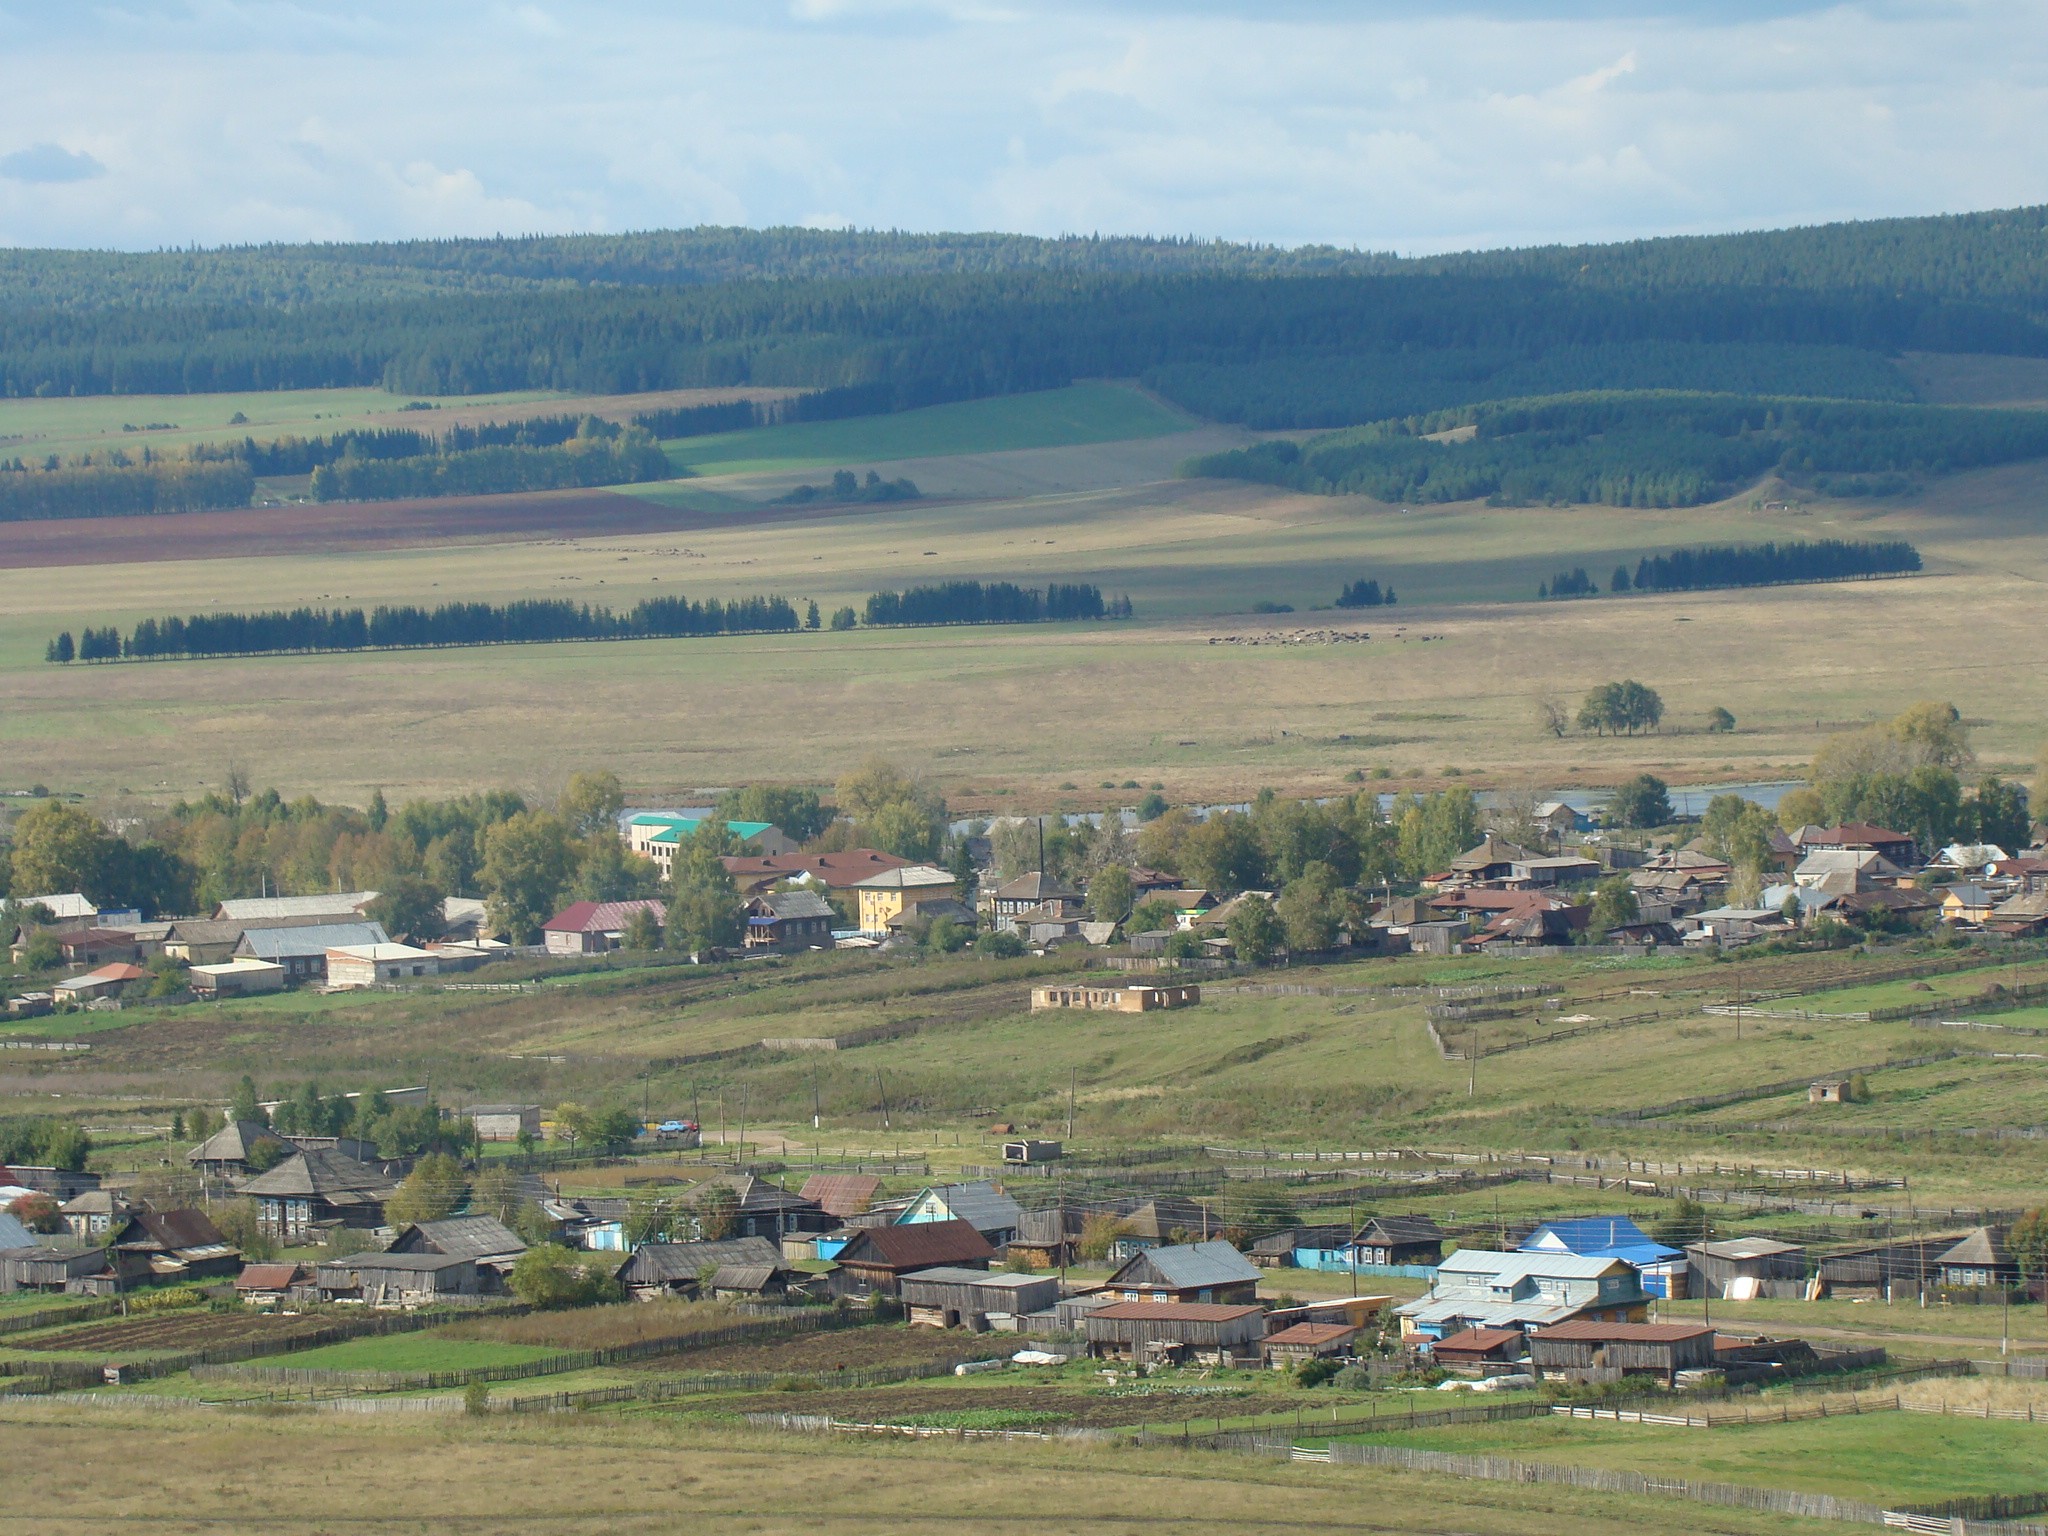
1384, 124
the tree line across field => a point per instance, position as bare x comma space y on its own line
1656, 449
1745, 565
409, 626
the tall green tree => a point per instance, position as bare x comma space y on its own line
1310, 909
591, 803
529, 861
705, 913
1643, 801
1255, 933
1110, 894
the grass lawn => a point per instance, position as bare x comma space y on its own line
1053, 418
1886, 1458
429, 1351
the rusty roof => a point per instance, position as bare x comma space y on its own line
921, 1245
1312, 1333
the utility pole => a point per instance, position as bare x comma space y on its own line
746, 1093
1472, 1056
883, 1093
1073, 1087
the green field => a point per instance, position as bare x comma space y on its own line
29, 427
1055, 418
1883, 1458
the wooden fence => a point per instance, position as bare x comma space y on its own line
1623, 1117
56, 1317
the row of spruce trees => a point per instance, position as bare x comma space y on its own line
1746, 565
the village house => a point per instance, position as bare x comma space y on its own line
915, 920
103, 946
1559, 820
980, 1204
1745, 1269
1400, 1240
1593, 1350
93, 1215
595, 927
656, 1270
1857, 836
1484, 1288
762, 1209
1211, 1271
875, 1260
371, 965
228, 1152
1845, 871
1158, 1223
318, 1189
950, 1297
1036, 892
893, 891
109, 981
1048, 1239
1129, 997
1981, 1261
302, 951
789, 920
170, 1245
1969, 904
1173, 1332
1278, 1250
1662, 1269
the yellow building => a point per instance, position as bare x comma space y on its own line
883, 896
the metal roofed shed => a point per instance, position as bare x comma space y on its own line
236, 978
302, 950
1598, 1350
342, 906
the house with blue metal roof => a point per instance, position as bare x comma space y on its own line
1615, 1237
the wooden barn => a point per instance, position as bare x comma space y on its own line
1177, 1331
1630, 1349
951, 1297
875, 1261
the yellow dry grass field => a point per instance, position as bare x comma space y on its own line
1448, 680
218, 1472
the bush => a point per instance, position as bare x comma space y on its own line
1313, 1373
476, 1399
1001, 945
550, 1277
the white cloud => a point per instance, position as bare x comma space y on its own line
1392, 124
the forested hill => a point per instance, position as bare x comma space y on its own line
1998, 257
676, 258
1270, 338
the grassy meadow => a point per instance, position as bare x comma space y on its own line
612, 1477
1882, 1458
1448, 681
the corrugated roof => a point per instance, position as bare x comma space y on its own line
1744, 1248
1476, 1340
1401, 1229
661, 1263
980, 1204
266, 1277
300, 943
921, 1245
743, 1277
842, 1194
13, 1234
1190, 1266
602, 916
248, 909
232, 1143
911, 877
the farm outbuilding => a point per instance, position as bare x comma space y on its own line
373, 965
236, 978
1177, 1331
39, 1268
1303, 1342
1629, 1349
504, 1122
1746, 1268
679, 1269
397, 1279
1479, 1352
1137, 997
968, 1298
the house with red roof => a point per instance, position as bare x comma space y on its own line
593, 927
